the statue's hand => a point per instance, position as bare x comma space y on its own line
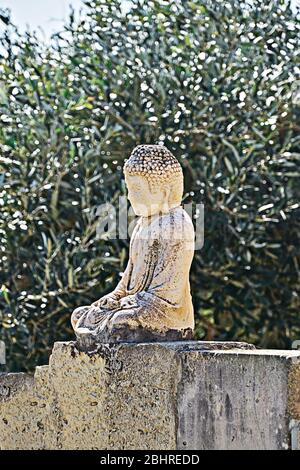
107, 302
129, 302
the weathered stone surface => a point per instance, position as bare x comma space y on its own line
22, 413
144, 402
78, 387
184, 395
235, 400
294, 391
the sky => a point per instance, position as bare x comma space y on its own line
48, 14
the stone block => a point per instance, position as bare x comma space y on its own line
159, 396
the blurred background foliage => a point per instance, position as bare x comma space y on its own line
216, 82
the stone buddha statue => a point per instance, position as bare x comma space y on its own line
152, 301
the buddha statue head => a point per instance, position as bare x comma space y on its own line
154, 180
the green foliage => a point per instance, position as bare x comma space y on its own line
216, 82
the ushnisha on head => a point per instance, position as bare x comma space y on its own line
154, 180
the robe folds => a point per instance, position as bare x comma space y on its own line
154, 291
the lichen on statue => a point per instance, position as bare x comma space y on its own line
152, 301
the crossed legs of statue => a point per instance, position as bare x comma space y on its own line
94, 324
93, 320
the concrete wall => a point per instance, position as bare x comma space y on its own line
189, 395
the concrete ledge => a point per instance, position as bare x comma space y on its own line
179, 395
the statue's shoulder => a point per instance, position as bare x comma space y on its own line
176, 224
